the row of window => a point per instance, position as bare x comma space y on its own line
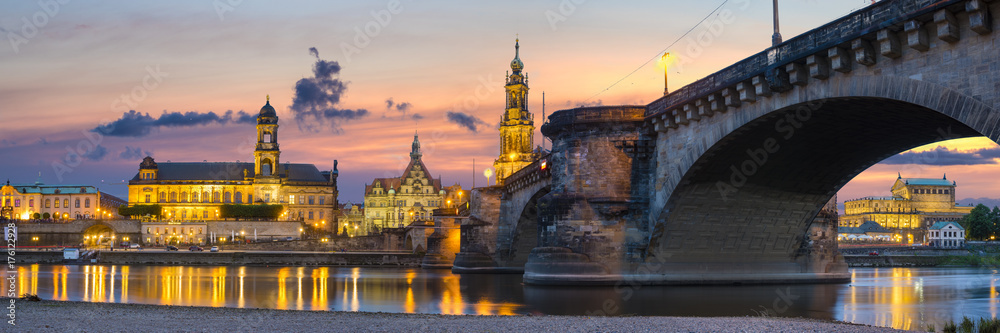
227, 197
930, 191
402, 203
952, 234
303, 199
307, 215
189, 230
48, 203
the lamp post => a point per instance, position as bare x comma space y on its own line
666, 89
776, 37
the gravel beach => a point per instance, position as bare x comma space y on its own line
54, 316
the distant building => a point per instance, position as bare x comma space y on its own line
397, 202
915, 204
63, 202
193, 191
946, 234
868, 231
352, 219
517, 125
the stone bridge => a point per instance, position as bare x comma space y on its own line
504, 227
730, 179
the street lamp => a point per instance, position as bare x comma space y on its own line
666, 68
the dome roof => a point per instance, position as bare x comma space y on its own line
516, 65
268, 110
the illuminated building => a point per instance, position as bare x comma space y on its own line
396, 202
193, 191
22, 201
915, 204
517, 125
946, 234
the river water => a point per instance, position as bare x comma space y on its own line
905, 298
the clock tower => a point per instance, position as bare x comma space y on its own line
265, 155
517, 125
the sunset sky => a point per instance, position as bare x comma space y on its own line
195, 71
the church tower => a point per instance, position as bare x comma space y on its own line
517, 125
265, 156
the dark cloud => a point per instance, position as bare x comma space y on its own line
467, 121
137, 124
133, 153
96, 154
403, 107
389, 103
416, 116
944, 156
316, 97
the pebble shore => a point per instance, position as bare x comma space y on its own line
55, 316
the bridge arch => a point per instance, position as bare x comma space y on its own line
526, 232
756, 186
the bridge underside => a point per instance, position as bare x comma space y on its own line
752, 197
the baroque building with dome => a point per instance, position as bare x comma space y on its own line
412, 197
517, 124
915, 205
194, 191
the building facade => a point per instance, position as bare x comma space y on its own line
946, 235
193, 191
915, 204
352, 219
517, 125
397, 202
61, 202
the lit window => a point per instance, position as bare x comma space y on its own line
31, 202
17, 202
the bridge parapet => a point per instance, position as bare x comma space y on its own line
528, 175
883, 28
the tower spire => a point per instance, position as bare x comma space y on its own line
415, 148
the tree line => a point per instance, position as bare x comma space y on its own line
982, 223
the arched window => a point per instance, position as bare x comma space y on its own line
77, 203
215, 196
173, 196
239, 197
184, 196
162, 197
204, 196
86, 203
227, 197
267, 137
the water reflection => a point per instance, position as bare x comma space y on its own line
905, 298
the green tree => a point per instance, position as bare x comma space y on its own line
46, 215
995, 215
978, 223
36, 216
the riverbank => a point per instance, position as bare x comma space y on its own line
235, 258
54, 316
